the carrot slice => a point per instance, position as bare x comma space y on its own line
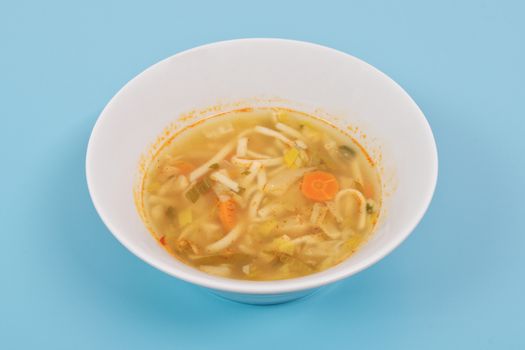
319, 186
227, 214
185, 167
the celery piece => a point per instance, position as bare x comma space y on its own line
290, 157
185, 217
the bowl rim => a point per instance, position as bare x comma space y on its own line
277, 286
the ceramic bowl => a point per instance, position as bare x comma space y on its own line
263, 72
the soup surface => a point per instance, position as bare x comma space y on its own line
261, 194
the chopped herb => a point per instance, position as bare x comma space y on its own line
192, 195
241, 190
214, 166
246, 172
370, 208
346, 151
301, 126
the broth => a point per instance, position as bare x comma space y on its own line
261, 194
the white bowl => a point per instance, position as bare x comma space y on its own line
232, 74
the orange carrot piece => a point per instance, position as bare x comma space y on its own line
228, 214
319, 186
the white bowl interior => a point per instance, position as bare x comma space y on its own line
303, 76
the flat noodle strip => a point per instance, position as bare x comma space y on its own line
254, 204
254, 170
289, 131
356, 172
316, 211
266, 162
225, 180
256, 155
225, 241
308, 239
204, 168
330, 230
186, 231
301, 144
272, 161
269, 132
242, 162
361, 221
277, 170
333, 210
249, 192
242, 147
221, 270
261, 179
273, 208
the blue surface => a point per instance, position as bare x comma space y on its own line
457, 283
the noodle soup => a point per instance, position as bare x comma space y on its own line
261, 194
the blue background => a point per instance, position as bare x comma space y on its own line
458, 282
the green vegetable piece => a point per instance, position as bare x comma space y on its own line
214, 166
203, 186
192, 195
245, 172
370, 206
347, 151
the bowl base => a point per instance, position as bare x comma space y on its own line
264, 299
